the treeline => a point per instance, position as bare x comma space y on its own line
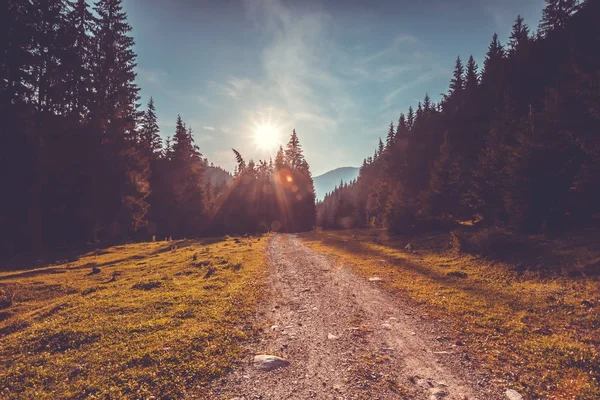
268, 196
79, 161
516, 145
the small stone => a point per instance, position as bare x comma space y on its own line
437, 393
274, 327
393, 319
386, 326
513, 395
331, 336
413, 333
375, 279
266, 362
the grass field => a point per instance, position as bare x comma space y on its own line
159, 319
540, 332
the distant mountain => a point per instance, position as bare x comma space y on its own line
216, 175
328, 181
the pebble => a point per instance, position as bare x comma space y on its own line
513, 395
331, 336
437, 394
375, 279
266, 362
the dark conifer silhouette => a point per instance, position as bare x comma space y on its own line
513, 147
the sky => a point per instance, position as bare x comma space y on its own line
336, 71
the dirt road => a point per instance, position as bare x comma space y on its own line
347, 339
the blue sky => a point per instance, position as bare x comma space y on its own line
337, 71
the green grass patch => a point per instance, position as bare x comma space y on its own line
159, 319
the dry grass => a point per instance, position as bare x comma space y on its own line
538, 333
159, 319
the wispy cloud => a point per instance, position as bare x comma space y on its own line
152, 76
208, 128
419, 80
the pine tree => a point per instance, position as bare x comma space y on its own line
77, 59
471, 78
280, 159
241, 164
418, 114
427, 103
49, 42
493, 59
381, 147
519, 35
391, 137
168, 150
293, 153
149, 133
116, 93
556, 14
457, 84
402, 128
120, 193
183, 144
410, 118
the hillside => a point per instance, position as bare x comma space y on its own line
327, 182
216, 175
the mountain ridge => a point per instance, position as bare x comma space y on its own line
326, 182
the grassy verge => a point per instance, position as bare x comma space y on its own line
538, 333
159, 319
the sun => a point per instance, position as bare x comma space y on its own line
266, 136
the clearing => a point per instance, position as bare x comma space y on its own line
357, 314
146, 320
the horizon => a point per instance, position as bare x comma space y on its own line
321, 68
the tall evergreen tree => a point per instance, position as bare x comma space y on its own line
410, 118
457, 84
77, 59
116, 93
519, 35
556, 14
150, 139
391, 135
493, 59
293, 153
471, 77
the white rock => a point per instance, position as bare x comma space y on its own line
274, 327
267, 362
331, 336
375, 279
386, 326
513, 395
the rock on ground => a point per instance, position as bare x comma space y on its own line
513, 395
267, 362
